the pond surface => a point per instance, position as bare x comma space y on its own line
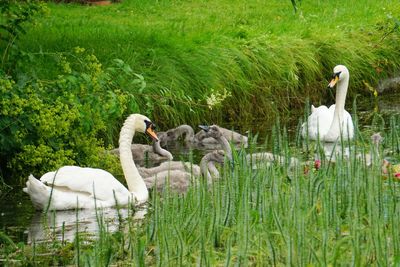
22, 223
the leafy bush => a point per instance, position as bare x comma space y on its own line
68, 120
70, 117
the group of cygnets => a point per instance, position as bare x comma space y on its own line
202, 139
178, 174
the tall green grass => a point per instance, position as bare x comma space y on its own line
343, 213
270, 58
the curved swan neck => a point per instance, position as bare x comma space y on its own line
161, 151
134, 181
212, 169
207, 164
204, 167
226, 147
188, 131
338, 116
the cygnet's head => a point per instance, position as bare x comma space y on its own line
216, 156
211, 131
376, 138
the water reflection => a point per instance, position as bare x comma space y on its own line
64, 225
332, 151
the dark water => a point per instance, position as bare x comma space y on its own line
22, 223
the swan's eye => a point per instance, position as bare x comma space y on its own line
336, 74
150, 125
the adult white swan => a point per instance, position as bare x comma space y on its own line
330, 124
75, 187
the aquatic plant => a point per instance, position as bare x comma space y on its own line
342, 212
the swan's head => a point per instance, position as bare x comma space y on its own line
211, 131
340, 72
144, 125
218, 156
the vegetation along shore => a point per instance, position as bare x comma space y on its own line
71, 73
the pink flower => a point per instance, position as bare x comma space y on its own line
317, 164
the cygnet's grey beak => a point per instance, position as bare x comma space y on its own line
205, 128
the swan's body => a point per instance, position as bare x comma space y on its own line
154, 152
174, 134
267, 158
329, 124
179, 180
176, 180
180, 172
231, 136
169, 166
75, 187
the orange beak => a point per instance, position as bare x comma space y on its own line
152, 133
333, 82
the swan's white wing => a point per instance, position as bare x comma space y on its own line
319, 122
84, 180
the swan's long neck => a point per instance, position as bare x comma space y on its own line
206, 165
161, 151
204, 168
189, 133
135, 182
341, 91
226, 147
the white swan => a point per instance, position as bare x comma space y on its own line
75, 187
330, 124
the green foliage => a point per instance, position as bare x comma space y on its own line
68, 120
268, 60
15, 17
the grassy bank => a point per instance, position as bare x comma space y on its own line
267, 57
